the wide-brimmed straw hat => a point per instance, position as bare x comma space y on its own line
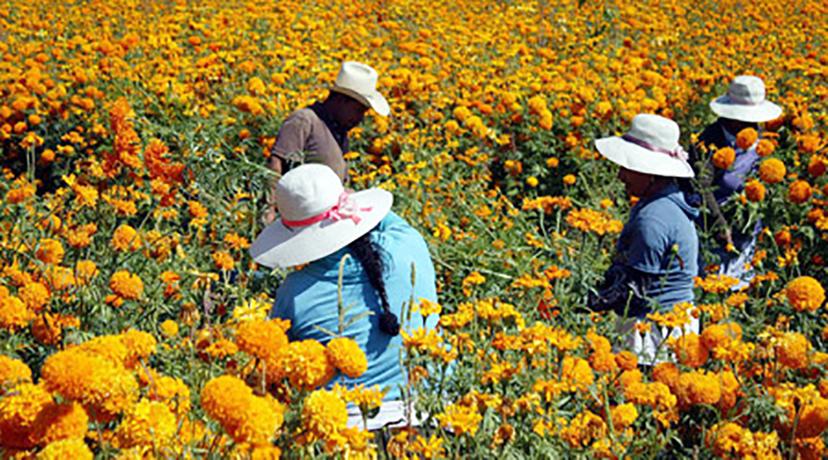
651, 146
317, 217
745, 101
359, 81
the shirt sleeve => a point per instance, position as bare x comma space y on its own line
649, 243
292, 137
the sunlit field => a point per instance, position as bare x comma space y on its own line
135, 137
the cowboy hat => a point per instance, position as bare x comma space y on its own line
359, 81
651, 146
317, 217
745, 101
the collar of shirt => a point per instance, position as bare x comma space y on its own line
730, 138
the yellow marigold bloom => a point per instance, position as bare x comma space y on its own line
125, 238
35, 295
169, 328
14, 314
792, 350
75, 449
532, 181
746, 138
260, 420
21, 191
623, 416
690, 350
799, 192
724, 157
569, 179
261, 338
717, 335
427, 307
50, 251
266, 453
255, 308
805, 293
772, 171
304, 363
460, 419
365, 398
678, 317
324, 414
126, 285
590, 220
60, 421
225, 399
473, 279
698, 387
345, 355
13, 371
583, 429
754, 190
577, 374
147, 423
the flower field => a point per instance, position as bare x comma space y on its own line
134, 138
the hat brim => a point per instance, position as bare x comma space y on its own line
637, 158
282, 246
375, 100
765, 111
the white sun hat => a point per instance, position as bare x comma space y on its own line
745, 101
651, 146
359, 81
317, 217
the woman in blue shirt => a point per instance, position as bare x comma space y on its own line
320, 225
657, 250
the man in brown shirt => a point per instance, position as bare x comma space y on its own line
319, 133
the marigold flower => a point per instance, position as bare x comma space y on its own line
126, 285
724, 157
19, 409
12, 372
799, 192
666, 373
14, 314
730, 390
140, 345
626, 360
345, 355
772, 171
569, 179
717, 335
813, 420
746, 138
765, 148
57, 421
792, 350
35, 295
754, 190
261, 338
805, 293
223, 260
698, 387
623, 416
324, 414
125, 238
50, 251
304, 363
147, 423
169, 328
225, 399
460, 419
76, 449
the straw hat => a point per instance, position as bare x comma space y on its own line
317, 217
359, 81
651, 146
745, 101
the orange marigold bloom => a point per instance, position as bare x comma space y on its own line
690, 350
59, 421
19, 409
754, 190
223, 260
13, 371
324, 414
35, 295
14, 314
698, 387
626, 360
75, 448
304, 363
765, 148
126, 285
799, 192
666, 373
772, 170
50, 251
792, 350
813, 419
261, 338
623, 416
139, 345
125, 238
147, 423
805, 293
717, 335
85, 270
724, 157
730, 390
746, 137
345, 355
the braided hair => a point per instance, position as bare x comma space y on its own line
367, 252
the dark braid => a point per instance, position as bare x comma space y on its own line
367, 252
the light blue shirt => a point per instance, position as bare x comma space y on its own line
309, 298
660, 239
